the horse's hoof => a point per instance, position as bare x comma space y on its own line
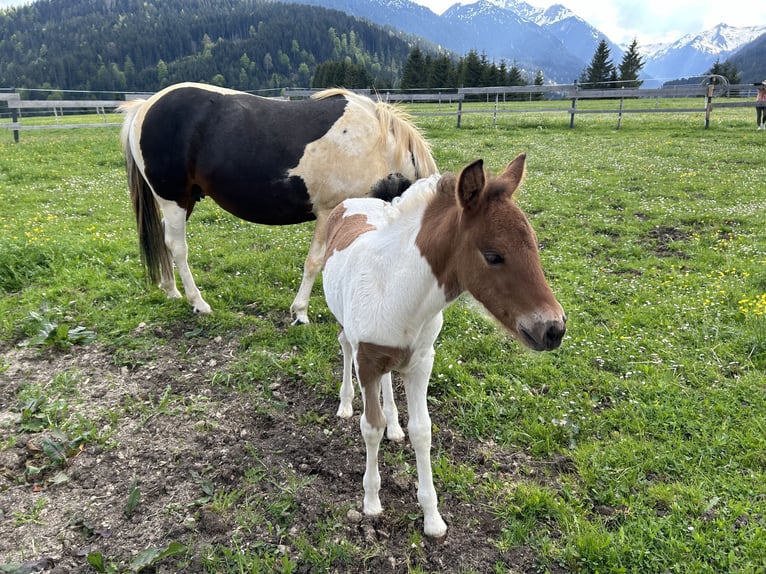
395, 434
300, 321
202, 309
435, 527
345, 411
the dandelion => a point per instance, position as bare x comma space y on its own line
754, 307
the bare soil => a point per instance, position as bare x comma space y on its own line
181, 438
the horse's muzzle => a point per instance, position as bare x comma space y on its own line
544, 335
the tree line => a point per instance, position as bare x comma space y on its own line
144, 45
424, 71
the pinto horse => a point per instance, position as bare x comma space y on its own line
390, 270
267, 161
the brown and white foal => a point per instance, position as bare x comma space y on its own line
390, 270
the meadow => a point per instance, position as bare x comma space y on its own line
638, 446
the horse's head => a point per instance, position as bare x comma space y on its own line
497, 257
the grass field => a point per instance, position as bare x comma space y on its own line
643, 436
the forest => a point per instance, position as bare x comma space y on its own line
144, 45
114, 46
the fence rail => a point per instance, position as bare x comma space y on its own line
712, 96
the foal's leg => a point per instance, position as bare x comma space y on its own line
419, 427
346, 408
311, 268
372, 425
174, 224
394, 431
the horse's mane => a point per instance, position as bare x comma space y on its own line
397, 122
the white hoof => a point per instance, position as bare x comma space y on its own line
202, 308
373, 508
172, 292
434, 527
395, 433
345, 411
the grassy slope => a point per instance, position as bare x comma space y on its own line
653, 238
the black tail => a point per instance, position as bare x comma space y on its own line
151, 235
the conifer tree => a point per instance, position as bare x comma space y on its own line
631, 66
728, 70
601, 72
415, 74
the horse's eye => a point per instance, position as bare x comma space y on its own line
493, 258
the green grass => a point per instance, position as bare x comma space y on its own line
653, 240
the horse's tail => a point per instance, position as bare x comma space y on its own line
151, 235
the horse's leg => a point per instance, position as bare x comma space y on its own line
311, 268
372, 425
174, 224
167, 274
419, 427
346, 408
394, 431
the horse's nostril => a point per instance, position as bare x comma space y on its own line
553, 336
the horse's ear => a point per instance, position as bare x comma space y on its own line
470, 182
514, 172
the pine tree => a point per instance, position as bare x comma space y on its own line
601, 73
470, 70
439, 73
631, 66
727, 70
539, 81
415, 73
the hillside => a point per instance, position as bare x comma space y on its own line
137, 45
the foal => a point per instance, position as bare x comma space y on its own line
390, 270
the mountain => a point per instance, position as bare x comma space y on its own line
749, 60
694, 54
579, 38
504, 35
554, 39
500, 29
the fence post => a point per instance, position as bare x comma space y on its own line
15, 120
572, 112
619, 113
494, 117
459, 110
709, 102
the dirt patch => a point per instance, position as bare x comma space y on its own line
665, 241
164, 430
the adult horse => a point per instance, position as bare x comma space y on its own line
390, 270
267, 161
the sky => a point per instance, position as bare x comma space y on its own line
649, 21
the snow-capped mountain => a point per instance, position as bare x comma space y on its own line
693, 54
502, 34
554, 39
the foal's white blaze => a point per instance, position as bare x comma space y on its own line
389, 271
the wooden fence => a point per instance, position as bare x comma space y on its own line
711, 96
57, 107
506, 99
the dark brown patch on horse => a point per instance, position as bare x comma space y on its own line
373, 362
342, 230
